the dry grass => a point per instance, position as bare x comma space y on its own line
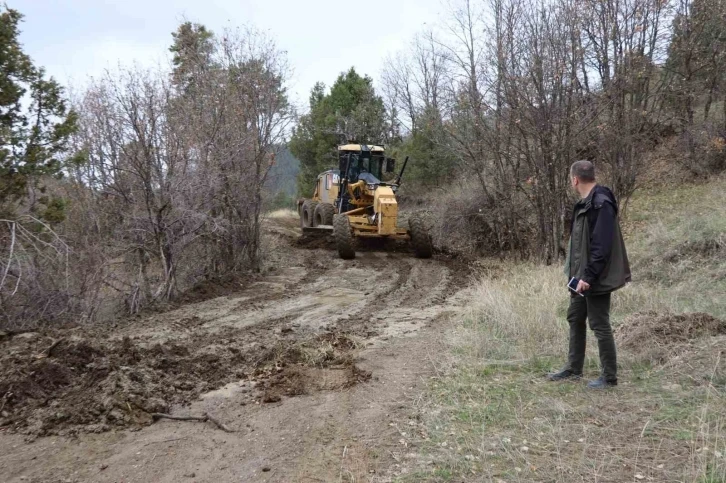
678, 247
282, 213
520, 310
493, 417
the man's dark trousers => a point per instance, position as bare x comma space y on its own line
596, 309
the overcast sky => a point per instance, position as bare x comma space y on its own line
75, 39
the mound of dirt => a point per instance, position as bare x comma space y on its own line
298, 380
72, 381
210, 289
655, 335
327, 242
697, 249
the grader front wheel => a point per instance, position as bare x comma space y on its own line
343, 237
420, 239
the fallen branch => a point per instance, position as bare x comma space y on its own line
218, 423
165, 440
6, 396
206, 417
46, 353
14, 332
156, 416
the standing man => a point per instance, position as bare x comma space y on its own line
597, 258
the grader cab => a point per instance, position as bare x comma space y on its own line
353, 202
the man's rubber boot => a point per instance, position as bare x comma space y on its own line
563, 375
602, 383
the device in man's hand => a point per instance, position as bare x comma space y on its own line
572, 285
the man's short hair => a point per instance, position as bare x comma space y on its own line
584, 170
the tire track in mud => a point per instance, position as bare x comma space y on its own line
297, 315
279, 360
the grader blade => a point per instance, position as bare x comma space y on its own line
318, 230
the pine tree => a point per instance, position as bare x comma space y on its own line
192, 48
35, 122
350, 112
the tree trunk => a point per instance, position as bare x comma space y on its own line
709, 100
167, 262
143, 275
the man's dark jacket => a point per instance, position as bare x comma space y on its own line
597, 250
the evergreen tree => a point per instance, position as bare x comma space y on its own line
192, 48
433, 162
350, 112
35, 122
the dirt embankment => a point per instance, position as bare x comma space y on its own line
672, 339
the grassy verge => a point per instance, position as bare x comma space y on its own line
491, 416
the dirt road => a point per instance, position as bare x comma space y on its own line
315, 367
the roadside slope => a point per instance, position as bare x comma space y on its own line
492, 416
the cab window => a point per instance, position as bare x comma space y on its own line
371, 165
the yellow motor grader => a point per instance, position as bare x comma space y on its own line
353, 202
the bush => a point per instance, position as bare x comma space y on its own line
464, 223
703, 150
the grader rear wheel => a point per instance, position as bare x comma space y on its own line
308, 211
344, 240
420, 239
324, 213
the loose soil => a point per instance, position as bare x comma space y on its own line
650, 327
660, 338
313, 365
94, 383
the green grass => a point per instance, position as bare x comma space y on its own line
512, 425
493, 417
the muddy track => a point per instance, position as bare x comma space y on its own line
299, 335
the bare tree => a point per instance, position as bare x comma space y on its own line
527, 88
33, 248
178, 170
626, 43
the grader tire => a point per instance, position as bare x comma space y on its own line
324, 213
301, 212
344, 240
307, 218
420, 239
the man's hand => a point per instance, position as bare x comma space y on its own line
582, 286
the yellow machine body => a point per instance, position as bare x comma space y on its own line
365, 208
381, 222
326, 187
386, 206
